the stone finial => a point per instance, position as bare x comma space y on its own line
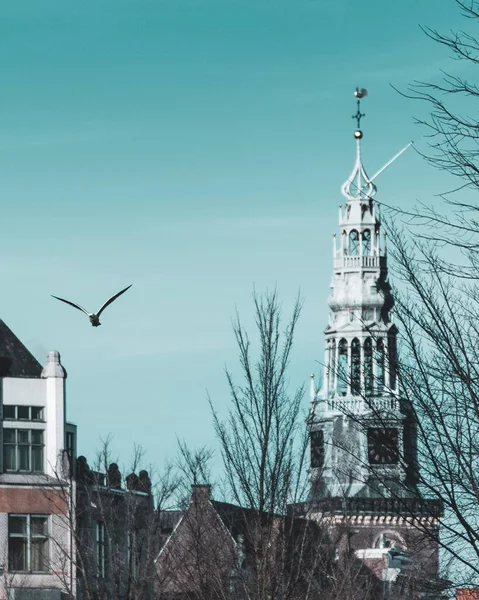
144, 482
132, 481
83, 472
113, 476
53, 367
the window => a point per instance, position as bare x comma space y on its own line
342, 367
355, 367
366, 242
36, 413
23, 413
317, 449
392, 361
332, 365
28, 543
9, 412
23, 450
132, 554
354, 243
100, 548
368, 366
380, 365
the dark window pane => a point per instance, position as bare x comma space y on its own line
368, 366
23, 412
39, 555
355, 367
342, 385
9, 436
100, 548
23, 436
24, 458
9, 458
37, 413
317, 449
38, 526
17, 525
354, 243
70, 443
366, 242
37, 458
8, 412
37, 437
17, 554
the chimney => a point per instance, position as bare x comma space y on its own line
200, 493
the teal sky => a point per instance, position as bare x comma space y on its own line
194, 148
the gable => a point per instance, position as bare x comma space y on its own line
15, 359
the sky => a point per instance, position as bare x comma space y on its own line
194, 149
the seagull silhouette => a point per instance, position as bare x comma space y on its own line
94, 317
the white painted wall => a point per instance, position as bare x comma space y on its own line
24, 392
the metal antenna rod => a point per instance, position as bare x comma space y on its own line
390, 161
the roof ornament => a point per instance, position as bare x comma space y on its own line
358, 184
359, 93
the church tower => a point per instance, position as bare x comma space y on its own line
362, 430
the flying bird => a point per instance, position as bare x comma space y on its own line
94, 317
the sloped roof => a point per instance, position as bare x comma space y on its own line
15, 359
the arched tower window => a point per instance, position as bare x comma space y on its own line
332, 365
355, 367
368, 366
317, 449
342, 367
353, 243
366, 242
392, 352
380, 365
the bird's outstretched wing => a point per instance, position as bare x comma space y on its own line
110, 300
72, 304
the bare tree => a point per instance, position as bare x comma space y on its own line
264, 458
263, 444
106, 534
259, 547
451, 124
439, 372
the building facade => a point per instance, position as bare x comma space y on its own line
36, 545
66, 531
362, 430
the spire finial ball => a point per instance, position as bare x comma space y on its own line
358, 134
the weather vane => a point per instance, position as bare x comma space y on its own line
364, 187
359, 93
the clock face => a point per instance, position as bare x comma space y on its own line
383, 445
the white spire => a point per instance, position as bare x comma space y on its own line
358, 185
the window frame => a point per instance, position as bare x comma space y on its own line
100, 531
18, 445
30, 537
317, 450
15, 407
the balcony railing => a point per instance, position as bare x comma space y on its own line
361, 405
357, 262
